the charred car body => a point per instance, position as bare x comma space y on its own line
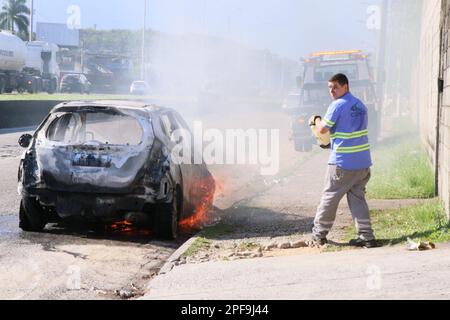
109, 161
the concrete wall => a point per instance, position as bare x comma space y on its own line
429, 74
417, 57
444, 111
433, 107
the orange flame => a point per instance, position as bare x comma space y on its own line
127, 228
202, 194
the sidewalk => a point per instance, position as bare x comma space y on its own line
382, 273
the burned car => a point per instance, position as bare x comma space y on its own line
110, 161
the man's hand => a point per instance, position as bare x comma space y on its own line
313, 120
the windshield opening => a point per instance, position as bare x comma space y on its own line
324, 73
94, 128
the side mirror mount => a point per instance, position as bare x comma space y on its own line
25, 140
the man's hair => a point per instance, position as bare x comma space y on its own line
339, 78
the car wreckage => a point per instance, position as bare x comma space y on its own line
107, 161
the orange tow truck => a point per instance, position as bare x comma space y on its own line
314, 97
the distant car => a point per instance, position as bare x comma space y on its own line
107, 162
72, 83
292, 103
139, 88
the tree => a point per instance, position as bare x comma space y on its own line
14, 17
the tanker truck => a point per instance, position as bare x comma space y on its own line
27, 66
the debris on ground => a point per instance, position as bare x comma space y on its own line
129, 294
125, 294
420, 245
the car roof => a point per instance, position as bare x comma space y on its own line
116, 104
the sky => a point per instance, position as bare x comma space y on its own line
290, 28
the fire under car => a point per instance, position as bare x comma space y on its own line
110, 161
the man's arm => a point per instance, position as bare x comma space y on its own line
322, 129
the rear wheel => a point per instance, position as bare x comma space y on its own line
167, 218
31, 215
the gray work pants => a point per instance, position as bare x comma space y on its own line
340, 182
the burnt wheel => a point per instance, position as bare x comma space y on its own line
167, 218
31, 215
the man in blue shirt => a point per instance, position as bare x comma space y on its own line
349, 164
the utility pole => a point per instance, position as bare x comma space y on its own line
143, 42
31, 21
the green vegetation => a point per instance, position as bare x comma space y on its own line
219, 230
14, 17
203, 242
423, 222
199, 244
401, 171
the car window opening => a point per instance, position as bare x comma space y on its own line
102, 128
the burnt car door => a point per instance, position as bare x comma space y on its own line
169, 128
202, 186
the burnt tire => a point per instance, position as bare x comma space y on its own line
167, 217
31, 215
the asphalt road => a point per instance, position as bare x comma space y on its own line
69, 261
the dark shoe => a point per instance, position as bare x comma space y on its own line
360, 243
319, 241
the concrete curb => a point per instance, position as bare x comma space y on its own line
168, 266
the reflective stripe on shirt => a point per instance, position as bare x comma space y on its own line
355, 149
328, 122
348, 136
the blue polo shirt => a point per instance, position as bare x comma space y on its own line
347, 120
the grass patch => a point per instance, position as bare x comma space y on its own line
217, 231
203, 242
401, 171
423, 222
199, 245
